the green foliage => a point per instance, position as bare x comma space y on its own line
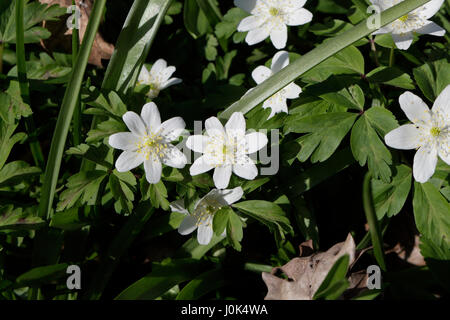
335, 283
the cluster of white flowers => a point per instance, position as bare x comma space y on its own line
226, 149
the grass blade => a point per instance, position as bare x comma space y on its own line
282, 78
65, 115
77, 112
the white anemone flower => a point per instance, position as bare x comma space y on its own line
204, 210
226, 150
158, 78
403, 28
149, 142
277, 102
271, 18
429, 132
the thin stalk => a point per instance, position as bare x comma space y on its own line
35, 147
67, 109
311, 59
77, 112
2, 45
256, 267
374, 227
365, 241
391, 57
374, 50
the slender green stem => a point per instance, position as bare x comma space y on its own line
67, 109
35, 147
392, 57
374, 227
306, 62
374, 50
256, 267
77, 112
365, 241
2, 45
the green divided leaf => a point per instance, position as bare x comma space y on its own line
391, 76
122, 186
431, 212
18, 219
15, 172
231, 19
389, 198
366, 144
96, 154
432, 78
326, 133
81, 187
157, 193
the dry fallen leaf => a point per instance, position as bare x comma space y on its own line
305, 274
61, 38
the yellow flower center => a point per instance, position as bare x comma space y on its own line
151, 144
435, 131
274, 11
404, 18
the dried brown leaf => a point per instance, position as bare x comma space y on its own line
61, 38
306, 274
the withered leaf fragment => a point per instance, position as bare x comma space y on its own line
305, 274
61, 38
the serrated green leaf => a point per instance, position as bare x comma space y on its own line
391, 76
18, 219
17, 171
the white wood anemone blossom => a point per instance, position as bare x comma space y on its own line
149, 142
429, 132
204, 210
277, 102
226, 150
403, 28
158, 78
270, 18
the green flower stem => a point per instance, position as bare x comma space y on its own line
392, 57
305, 63
35, 147
2, 46
374, 227
77, 112
258, 268
365, 241
67, 109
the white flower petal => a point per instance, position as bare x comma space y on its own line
279, 61
134, 123
430, 8
123, 141
424, 165
151, 117
188, 225
178, 206
255, 141
298, 17
230, 196
170, 82
204, 234
249, 23
292, 91
444, 153
200, 166
214, 127
128, 160
431, 28
247, 170
153, 169
167, 73
442, 103
261, 73
277, 105
222, 176
257, 35
403, 41
174, 157
404, 138
415, 109
246, 5
236, 124
144, 76
158, 67
278, 36
197, 143
171, 129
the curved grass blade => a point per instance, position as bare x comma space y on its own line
305, 63
203, 284
65, 115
